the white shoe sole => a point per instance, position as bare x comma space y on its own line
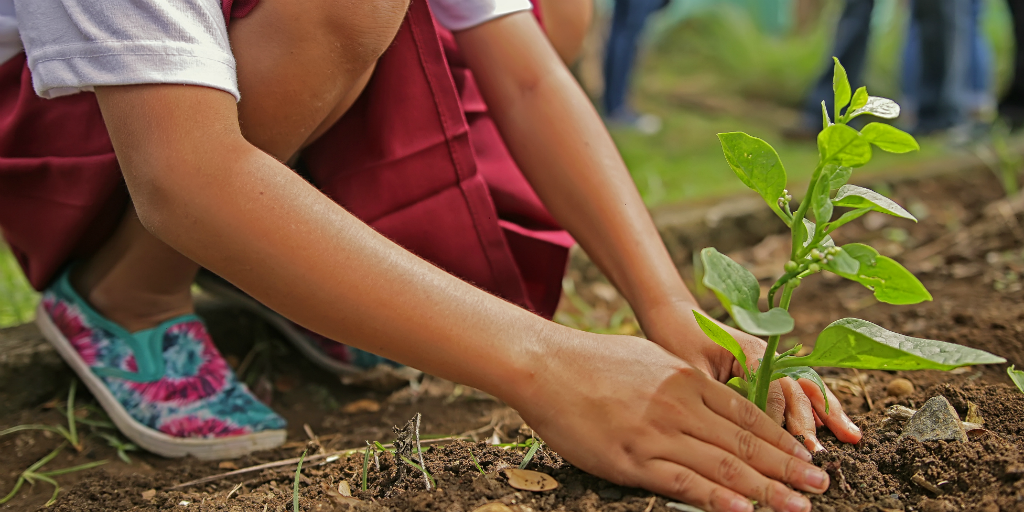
146, 437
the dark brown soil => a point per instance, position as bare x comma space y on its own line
971, 261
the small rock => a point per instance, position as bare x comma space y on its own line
935, 421
227, 464
364, 405
610, 493
899, 412
899, 388
148, 495
974, 414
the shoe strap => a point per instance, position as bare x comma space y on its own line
146, 345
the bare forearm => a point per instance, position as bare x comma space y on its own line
242, 214
561, 145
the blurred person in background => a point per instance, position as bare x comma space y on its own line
1011, 107
628, 20
851, 47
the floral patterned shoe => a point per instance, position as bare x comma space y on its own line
326, 353
167, 388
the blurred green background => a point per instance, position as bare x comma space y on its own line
713, 66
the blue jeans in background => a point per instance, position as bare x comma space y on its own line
628, 20
851, 47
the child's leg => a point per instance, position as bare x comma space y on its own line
136, 280
295, 83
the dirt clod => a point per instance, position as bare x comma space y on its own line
899, 388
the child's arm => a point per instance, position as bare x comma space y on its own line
619, 407
564, 150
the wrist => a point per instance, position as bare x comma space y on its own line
520, 380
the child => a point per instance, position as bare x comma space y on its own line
431, 145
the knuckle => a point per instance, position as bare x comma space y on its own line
682, 482
729, 469
790, 469
747, 445
749, 415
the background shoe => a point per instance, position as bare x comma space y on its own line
168, 388
328, 354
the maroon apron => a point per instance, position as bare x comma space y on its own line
416, 157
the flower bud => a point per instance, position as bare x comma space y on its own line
814, 268
791, 266
815, 254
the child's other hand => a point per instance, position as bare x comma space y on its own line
627, 410
798, 403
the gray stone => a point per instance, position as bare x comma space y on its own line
935, 421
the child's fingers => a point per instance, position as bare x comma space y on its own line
727, 470
745, 415
836, 419
684, 484
800, 414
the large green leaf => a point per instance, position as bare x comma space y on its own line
891, 282
757, 165
889, 138
852, 196
856, 343
841, 87
722, 338
1017, 377
878, 107
843, 145
738, 291
803, 372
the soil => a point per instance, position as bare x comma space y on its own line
968, 250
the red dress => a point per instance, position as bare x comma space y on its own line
416, 157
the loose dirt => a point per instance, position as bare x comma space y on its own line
968, 250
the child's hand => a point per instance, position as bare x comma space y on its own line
800, 404
626, 410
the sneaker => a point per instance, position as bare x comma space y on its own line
646, 124
168, 388
328, 354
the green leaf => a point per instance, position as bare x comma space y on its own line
856, 343
825, 121
838, 175
722, 338
889, 138
739, 385
811, 229
878, 107
1016, 376
757, 165
821, 204
845, 264
852, 196
803, 372
846, 218
738, 291
840, 86
860, 98
891, 282
843, 145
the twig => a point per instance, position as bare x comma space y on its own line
919, 480
864, 388
419, 452
295, 460
650, 504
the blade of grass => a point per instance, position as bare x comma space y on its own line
529, 455
80, 467
420, 468
476, 463
366, 462
71, 416
20, 428
56, 488
295, 489
17, 487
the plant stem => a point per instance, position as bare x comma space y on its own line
805, 204
764, 371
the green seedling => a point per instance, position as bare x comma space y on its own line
476, 463
846, 343
295, 488
535, 445
431, 483
32, 474
1017, 376
118, 444
69, 433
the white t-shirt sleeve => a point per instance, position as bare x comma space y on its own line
75, 45
463, 14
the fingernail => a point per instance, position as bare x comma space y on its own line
797, 504
816, 478
801, 452
814, 445
850, 424
740, 505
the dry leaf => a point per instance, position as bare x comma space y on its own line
974, 414
364, 405
148, 495
227, 465
493, 507
526, 480
344, 489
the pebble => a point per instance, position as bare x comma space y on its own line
936, 420
899, 388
